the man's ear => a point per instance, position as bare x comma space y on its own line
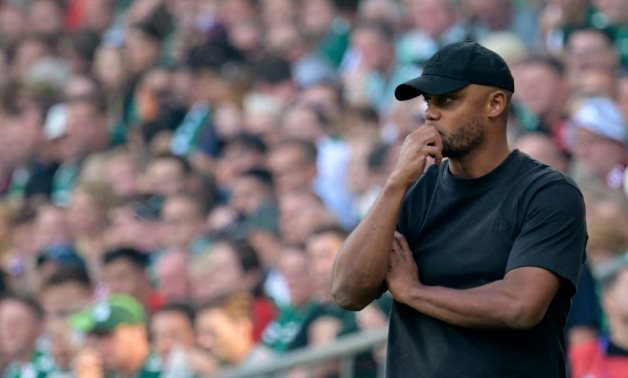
497, 103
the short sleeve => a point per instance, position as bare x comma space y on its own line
553, 234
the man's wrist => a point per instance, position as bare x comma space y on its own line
394, 184
411, 293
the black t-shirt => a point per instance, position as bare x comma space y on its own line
468, 232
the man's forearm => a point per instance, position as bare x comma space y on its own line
362, 262
494, 305
473, 308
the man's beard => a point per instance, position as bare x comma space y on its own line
464, 140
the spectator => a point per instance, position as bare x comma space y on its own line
173, 277
225, 327
172, 327
116, 340
594, 82
372, 80
293, 163
608, 238
212, 85
110, 71
51, 226
601, 137
310, 123
607, 357
433, 23
21, 324
182, 223
560, 18
613, 15
540, 98
124, 272
134, 223
63, 348
331, 322
66, 291
288, 331
55, 258
122, 172
590, 48
252, 197
240, 153
86, 134
325, 22
232, 266
293, 45
87, 215
300, 212
167, 174
491, 16
541, 147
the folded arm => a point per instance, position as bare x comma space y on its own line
518, 301
360, 267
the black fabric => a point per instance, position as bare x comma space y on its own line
456, 65
467, 233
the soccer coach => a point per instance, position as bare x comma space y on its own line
482, 250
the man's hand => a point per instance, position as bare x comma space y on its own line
422, 143
402, 270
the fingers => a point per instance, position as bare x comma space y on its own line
400, 252
438, 145
401, 241
427, 140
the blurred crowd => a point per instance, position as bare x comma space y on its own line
176, 176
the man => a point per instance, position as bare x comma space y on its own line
173, 276
86, 133
542, 91
21, 324
294, 165
172, 328
489, 243
182, 223
125, 272
229, 266
289, 330
116, 340
601, 138
607, 357
224, 327
65, 291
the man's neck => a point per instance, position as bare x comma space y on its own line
478, 162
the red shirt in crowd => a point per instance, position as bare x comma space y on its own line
598, 359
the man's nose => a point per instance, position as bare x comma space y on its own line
431, 113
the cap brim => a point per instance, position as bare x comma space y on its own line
427, 84
83, 321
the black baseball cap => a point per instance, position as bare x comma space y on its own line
455, 66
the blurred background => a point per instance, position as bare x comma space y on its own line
176, 176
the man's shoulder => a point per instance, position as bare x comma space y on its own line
534, 175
